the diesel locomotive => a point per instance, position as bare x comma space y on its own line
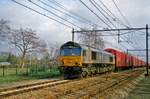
78, 60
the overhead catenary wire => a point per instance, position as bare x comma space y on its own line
42, 14
124, 33
119, 34
74, 14
125, 29
112, 14
136, 42
95, 14
64, 12
104, 11
56, 3
99, 18
119, 20
47, 16
125, 19
95, 5
54, 14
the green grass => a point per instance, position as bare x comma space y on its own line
14, 78
23, 75
45, 74
142, 90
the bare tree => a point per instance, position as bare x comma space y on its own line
40, 46
4, 30
93, 39
41, 52
54, 50
41, 49
26, 41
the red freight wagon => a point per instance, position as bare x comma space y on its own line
142, 63
129, 61
122, 60
135, 62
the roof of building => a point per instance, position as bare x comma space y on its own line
4, 63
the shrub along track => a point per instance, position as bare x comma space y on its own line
88, 88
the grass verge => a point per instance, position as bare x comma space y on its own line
51, 73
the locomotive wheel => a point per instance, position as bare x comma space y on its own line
84, 74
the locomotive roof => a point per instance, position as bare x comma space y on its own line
83, 46
94, 49
70, 43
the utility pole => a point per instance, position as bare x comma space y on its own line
95, 39
126, 57
146, 50
119, 36
73, 35
30, 58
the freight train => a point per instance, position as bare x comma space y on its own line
125, 61
78, 60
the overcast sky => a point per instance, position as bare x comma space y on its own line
135, 11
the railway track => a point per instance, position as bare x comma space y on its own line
88, 88
97, 89
120, 83
29, 87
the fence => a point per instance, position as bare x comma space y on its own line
26, 70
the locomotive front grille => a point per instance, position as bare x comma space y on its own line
70, 60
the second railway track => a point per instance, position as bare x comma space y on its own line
29, 87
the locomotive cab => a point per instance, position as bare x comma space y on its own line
70, 54
70, 59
